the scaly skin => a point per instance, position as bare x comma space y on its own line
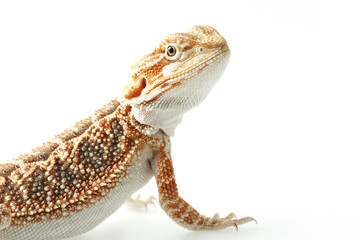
72, 183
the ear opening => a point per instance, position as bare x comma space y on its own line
135, 87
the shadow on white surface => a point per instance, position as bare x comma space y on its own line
154, 224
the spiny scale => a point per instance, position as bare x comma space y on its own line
79, 166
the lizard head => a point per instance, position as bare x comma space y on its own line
176, 76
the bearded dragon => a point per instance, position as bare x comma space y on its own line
72, 183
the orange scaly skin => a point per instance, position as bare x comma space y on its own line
72, 183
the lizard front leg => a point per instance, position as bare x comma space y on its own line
177, 208
5, 217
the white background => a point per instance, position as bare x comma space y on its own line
277, 139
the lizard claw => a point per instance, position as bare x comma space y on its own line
236, 227
245, 220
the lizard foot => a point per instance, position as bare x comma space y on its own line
217, 223
137, 203
5, 217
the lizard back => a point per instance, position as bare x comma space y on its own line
73, 173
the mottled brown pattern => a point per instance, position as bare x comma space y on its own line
88, 160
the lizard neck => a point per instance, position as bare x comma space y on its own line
158, 117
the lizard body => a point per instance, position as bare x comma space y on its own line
73, 182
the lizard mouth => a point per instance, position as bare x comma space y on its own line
197, 64
190, 70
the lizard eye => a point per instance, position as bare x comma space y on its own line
173, 51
